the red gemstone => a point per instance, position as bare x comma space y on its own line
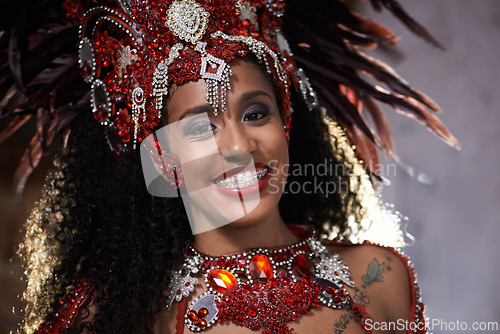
202, 312
192, 315
329, 290
273, 283
86, 70
302, 266
252, 312
206, 265
260, 267
221, 262
101, 112
245, 289
340, 292
231, 263
222, 280
201, 323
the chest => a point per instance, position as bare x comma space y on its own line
299, 288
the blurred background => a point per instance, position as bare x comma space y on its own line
456, 221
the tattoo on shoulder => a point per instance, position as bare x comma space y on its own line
361, 298
341, 324
388, 266
374, 273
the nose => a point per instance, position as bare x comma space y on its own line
236, 144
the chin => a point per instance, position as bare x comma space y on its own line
258, 215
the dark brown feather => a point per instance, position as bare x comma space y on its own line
380, 121
13, 126
398, 11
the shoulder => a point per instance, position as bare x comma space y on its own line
384, 280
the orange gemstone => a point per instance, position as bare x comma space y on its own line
222, 280
260, 267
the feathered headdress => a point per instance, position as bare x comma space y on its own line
118, 59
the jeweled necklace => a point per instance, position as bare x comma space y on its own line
261, 287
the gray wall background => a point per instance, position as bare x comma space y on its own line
455, 221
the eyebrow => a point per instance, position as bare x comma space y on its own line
250, 95
196, 110
207, 107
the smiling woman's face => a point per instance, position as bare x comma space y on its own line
240, 154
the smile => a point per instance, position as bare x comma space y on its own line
243, 180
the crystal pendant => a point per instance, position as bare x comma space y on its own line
202, 313
332, 294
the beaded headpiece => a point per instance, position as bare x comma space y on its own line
132, 54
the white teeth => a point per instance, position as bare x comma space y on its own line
243, 180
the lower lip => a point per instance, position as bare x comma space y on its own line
247, 191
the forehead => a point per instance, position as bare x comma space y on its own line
247, 76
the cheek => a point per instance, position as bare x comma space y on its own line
275, 141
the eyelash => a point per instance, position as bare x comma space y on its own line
262, 110
199, 129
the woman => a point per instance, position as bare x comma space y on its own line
202, 92
254, 126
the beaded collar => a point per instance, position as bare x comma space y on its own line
261, 287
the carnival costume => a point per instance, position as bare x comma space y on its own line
130, 54
248, 289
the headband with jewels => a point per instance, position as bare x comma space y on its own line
131, 55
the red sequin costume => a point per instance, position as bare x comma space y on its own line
288, 295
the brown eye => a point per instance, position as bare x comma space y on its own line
255, 113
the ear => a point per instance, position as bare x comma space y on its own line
161, 170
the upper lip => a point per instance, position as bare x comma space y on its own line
235, 170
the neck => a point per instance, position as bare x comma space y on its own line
232, 238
